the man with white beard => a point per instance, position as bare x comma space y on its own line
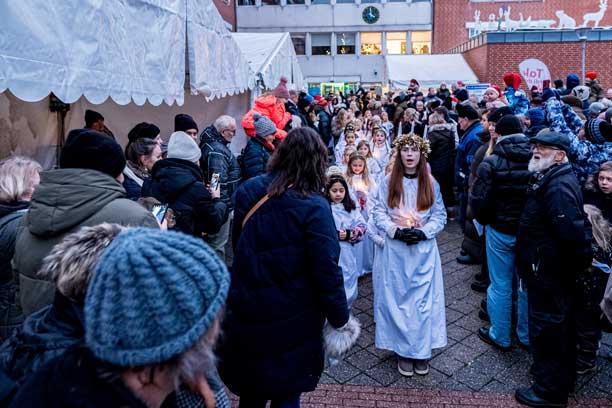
553, 247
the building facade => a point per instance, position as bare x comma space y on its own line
343, 43
456, 21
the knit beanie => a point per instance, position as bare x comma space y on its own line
592, 129
608, 115
183, 122
263, 126
513, 79
536, 116
91, 117
558, 83
549, 93
508, 125
88, 149
572, 80
595, 109
281, 89
182, 146
592, 75
500, 113
143, 130
153, 295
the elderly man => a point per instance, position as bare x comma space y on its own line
553, 246
218, 159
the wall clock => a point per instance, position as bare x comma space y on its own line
370, 14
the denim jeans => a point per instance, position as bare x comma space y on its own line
501, 259
289, 402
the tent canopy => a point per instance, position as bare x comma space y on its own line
136, 53
271, 56
429, 70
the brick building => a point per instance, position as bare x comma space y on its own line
227, 9
455, 20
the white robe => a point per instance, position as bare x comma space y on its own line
408, 286
348, 252
382, 155
365, 249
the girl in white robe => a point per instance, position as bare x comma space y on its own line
408, 284
362, 186
349, 139
381, 150
351, 229
374, 168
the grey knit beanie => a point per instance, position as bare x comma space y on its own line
153, 295
263, 126
182, 146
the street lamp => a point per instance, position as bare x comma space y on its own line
581, 33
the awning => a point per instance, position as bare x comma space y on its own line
429, 70
130, 51
271, 56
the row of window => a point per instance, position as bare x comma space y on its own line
370, 43
302, 2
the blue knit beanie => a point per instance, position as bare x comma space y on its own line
153, 295
536, 115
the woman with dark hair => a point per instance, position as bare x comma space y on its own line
285, 279
598, 190
141, 154
408, 286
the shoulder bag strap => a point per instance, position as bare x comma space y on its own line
255, 208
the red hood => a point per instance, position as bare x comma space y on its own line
513, 79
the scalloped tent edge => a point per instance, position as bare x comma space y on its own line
114, 62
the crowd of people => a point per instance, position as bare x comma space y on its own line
102, 307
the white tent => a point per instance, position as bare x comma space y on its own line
429, 70
271, 56
125, 57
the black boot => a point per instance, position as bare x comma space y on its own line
480, 287
467, 260
527, 396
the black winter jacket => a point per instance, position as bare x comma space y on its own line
498, 195
443, 151
255, 157
554, 235
218, 158
10, 218
325, 130
285, 283
594, 196
179, 184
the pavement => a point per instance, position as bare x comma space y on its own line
465, 372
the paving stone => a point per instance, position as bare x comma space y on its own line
499, 387
429, 381
446, 365
363, 359
386, 372
473, 376
342, 371
362, 304
462, 307
457, 333
470, 322
475, 343
365, 339
380, 353
363, 379
365, 319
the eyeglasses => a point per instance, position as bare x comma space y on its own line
541, 147
230, 130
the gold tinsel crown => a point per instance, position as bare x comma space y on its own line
413, 140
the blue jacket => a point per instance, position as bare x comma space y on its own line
469, 144
255, 157
285, 282
585, 156
517, 100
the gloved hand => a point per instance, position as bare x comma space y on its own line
414, 236
402, 234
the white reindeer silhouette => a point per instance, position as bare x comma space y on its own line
511, 25
597, 16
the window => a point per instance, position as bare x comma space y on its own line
396, 1
246, 2
370, 1
320, 1
270, 2
396, 43
421, 42
371, 43
321, 43
295, 2
345, 1
299, 43
345, 43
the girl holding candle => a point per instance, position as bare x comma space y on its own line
374, 168
408, 286
351, 229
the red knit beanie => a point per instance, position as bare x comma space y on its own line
592, 75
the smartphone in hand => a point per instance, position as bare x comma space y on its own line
159, 212
214, 181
